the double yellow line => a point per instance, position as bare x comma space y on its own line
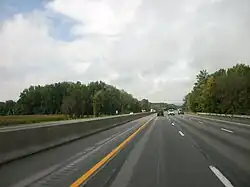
91, 171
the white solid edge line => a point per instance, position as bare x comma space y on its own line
221, 177
227, 130
181, 133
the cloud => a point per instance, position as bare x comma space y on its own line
28, 54
221, 36
97, 17
151, 48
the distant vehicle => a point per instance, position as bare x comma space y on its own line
171, 112
152, 110
180, 111
131, 113
160, 113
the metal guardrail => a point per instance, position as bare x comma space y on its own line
224, 115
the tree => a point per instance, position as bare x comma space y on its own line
224, 91
2, 108
68, 105
73, 99
201, 77
145, 104
7, 108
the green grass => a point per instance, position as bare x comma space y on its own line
26, 119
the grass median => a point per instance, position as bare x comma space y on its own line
27, 119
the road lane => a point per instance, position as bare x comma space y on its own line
229, 151
64, 161
105, 160
168, 151
166, 159
163, 157
234, 138
240, 128
239, 120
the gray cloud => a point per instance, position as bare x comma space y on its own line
151, 48
222, 35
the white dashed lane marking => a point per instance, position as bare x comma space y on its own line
227, 130
221, 177
181, 133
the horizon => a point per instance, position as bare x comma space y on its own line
151, 49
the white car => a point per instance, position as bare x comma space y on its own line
171, 112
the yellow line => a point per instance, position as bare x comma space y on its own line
91, 171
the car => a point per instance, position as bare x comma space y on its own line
160, 113
171, 112
180, 111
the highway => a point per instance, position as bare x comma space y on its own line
171, 151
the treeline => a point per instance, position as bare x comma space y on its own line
74, 99
163, 106
226, 91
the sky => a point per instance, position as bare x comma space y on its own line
151, 48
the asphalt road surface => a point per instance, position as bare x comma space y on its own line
173, 151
